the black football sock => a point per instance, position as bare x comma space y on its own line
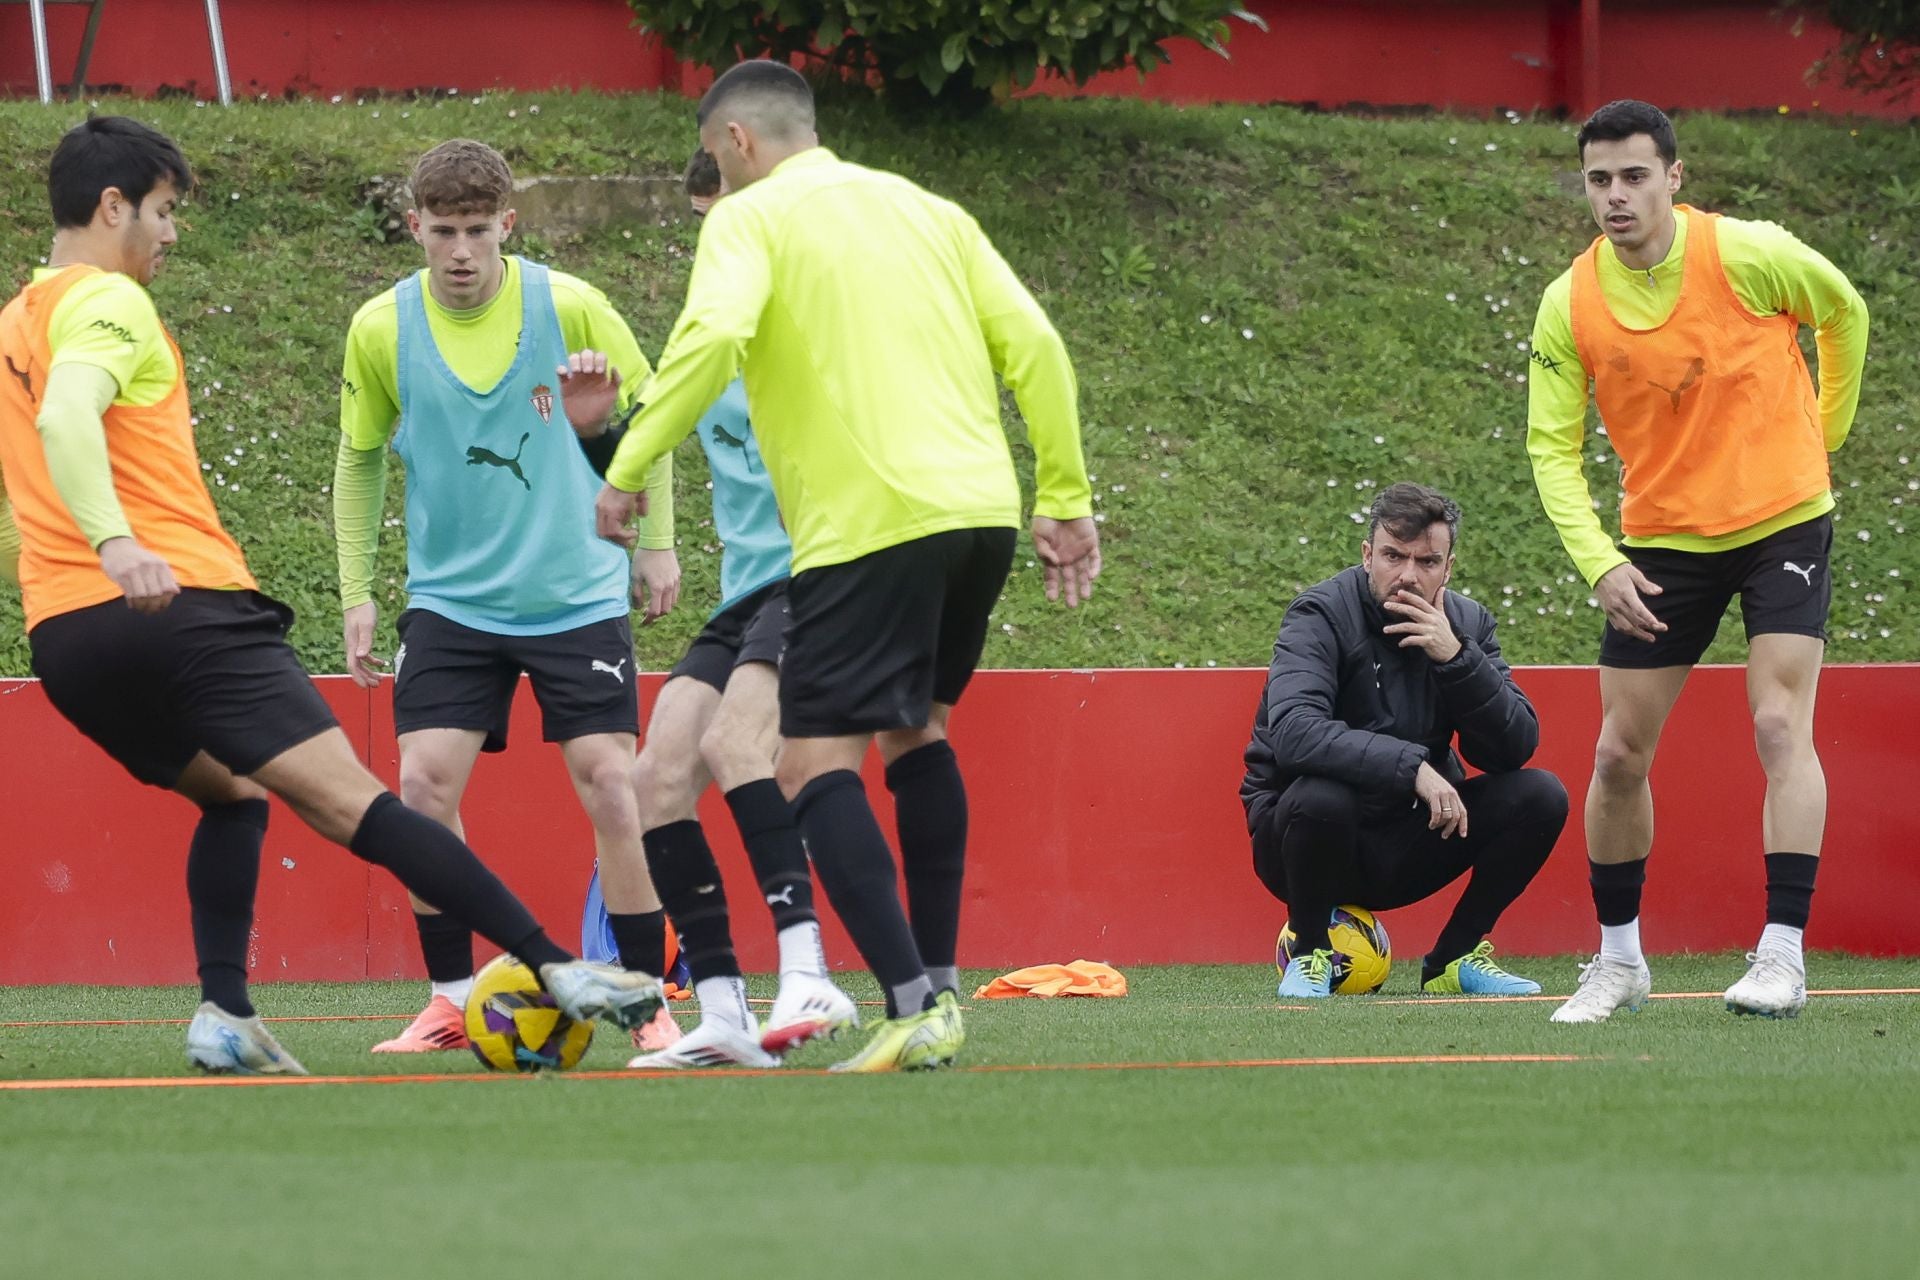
642, 940
436, 866
688, 882
1309, 848
1790, 888
930, 815
1616, 890
446, 944
856, 870
223, 874
779, 859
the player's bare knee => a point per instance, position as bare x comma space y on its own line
731, 756
663, 786
1780, 737
428, 786
1618, 763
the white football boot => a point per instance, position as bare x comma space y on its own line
713, 1043
808, 1007
586, 990
1775, 985
219, 1043
1605, 986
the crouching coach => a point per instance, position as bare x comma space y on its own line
1355, 790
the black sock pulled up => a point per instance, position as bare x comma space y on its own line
688, 882
223, 875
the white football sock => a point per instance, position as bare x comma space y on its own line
1622, 942
724, 1000
455, 991
800, 949
1784, 937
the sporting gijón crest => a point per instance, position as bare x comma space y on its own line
543, 401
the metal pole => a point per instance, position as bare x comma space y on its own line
42, 72
219, 42
86, 50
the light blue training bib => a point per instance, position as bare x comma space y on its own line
500, 529
745, 514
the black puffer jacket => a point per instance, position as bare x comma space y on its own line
1344, 701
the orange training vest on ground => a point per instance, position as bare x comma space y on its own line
1713, 413
156, 474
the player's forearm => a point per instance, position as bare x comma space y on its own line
1555, 453
656, 527
359, 495
73, 435
1842, 344
696, 367
1037, 369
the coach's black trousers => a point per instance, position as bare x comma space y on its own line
1314, 852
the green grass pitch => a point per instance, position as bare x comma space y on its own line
1680, 1141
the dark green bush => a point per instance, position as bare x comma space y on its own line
958, 53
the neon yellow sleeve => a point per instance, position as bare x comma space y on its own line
1556, 429
370, 375
1774, 272
1027, 353
109, 322
359, 498
589, 321
732, 280
9, 543
74, 437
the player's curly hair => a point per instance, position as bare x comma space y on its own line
1408, 510
462, 176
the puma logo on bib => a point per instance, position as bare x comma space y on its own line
478, 455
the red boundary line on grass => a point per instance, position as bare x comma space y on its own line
1657, 995
1391, 1060
1249, 1008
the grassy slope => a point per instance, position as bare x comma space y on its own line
1258, 302
1691, 1143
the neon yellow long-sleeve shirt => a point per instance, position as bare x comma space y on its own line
871, 319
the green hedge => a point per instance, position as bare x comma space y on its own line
1272, 313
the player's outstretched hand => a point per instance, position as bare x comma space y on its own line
1619, 591
1424, 626
589, 388
144, 578
656, 583
1446, 811
1070, 550
614, 511
357, 625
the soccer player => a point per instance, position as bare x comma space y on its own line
871, 318
1685, 325
1353, 790
453, 368
717, 720
146, 628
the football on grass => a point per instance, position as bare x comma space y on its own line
513, 1025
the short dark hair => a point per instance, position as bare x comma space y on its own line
110, 151
462, 176
1409, 510
778, 95
703, 174
1622, 119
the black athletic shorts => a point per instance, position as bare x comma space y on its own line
751, 629
449, 676
211, 672
877, 641
1782, 582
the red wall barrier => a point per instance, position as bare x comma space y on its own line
1105, 826
1470, 55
